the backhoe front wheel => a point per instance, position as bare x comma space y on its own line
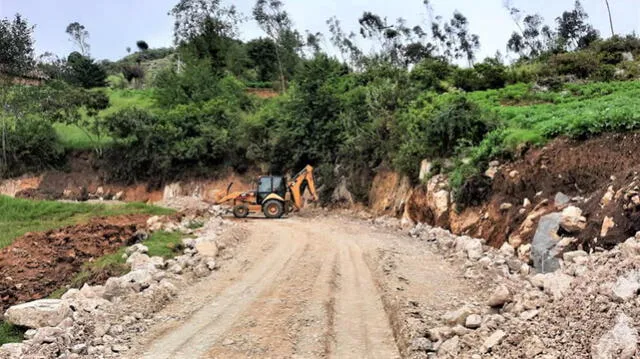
273, 209
241, 211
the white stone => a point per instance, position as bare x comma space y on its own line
474, 321
572, 220
500, 296
39, 313
493, 340
557, 284
621, 342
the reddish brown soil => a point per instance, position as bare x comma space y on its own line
575, 168
37, 264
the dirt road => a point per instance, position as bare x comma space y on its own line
306, 288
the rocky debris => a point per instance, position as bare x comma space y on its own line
571, 312
607, 225
474, 321
557, 284
500, 297
39, 313
456, 317
627, 287
450, 348
101, 321
620, 342
572, 220
493, 340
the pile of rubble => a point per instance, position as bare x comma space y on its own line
586, 308
100, 321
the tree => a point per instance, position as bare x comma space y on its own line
204, 29
466, 43
262, 54
532, 38
142, 45
275, 22
84, 72
16, 46
573, 29
346, 43
192, 17
610, 18
79, 36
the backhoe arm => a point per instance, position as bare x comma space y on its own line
297, 185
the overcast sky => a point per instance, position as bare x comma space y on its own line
116, 24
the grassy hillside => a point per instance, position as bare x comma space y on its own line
528, 115
72, 137
19, 216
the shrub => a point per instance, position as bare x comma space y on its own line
31, 145
439, 131
429, 75
579, 63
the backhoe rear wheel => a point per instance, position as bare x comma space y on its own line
241, 211
273, 209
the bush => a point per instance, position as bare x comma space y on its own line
116, 82
490, 74
581, 64
440, 131
185, 140
429, 75
31, 146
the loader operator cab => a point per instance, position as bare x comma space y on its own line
271, 184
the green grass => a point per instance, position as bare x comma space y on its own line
72, 137
19, 216
164, 244
10, 333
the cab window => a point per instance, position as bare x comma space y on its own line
265, 185
277, 184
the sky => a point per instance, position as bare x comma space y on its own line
115, 25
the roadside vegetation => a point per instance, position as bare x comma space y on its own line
419, 93
19, 216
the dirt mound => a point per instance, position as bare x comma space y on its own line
37, 264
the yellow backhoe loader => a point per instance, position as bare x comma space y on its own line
274, 196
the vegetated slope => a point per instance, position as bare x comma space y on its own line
530, 115
76, 138
19, 216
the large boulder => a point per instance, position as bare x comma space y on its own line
620, 342
39, 313
341, 194
116, 287
544, 241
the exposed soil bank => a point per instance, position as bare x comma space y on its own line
600, 176
37, 264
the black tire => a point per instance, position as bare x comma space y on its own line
273, 209
240, 211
